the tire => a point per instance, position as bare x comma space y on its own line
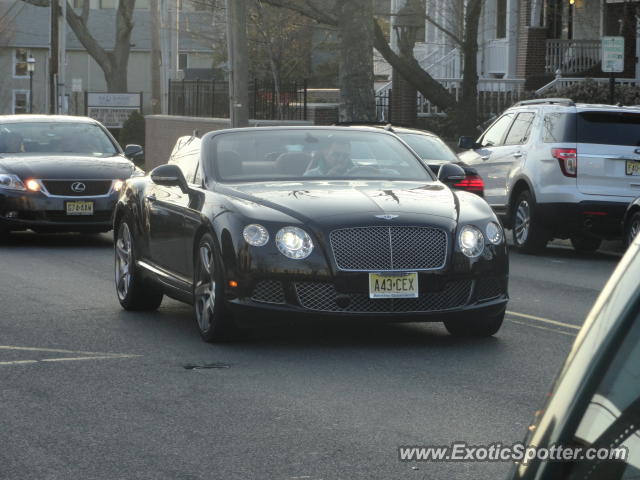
633, 228
528, 234
134, 293
475, 325
585, 244
214, 321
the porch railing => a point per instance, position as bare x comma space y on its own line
562, 82
572, 56
494, 96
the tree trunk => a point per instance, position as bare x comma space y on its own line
355, 77
467, 111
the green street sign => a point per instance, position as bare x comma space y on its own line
613, 54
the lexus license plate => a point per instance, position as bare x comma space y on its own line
633, 167
393, 285
79, 208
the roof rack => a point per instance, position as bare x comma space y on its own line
550, 101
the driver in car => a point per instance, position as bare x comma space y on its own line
334, 159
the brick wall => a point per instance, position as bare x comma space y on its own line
532, 49
404, 108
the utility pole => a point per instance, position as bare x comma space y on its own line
156, 59
62, 62
54, 58
238, 62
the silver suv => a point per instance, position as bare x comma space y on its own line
556, 169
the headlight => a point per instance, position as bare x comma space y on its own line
117, 185
471, 241
293, 242
494, 233
255, 235
11, 182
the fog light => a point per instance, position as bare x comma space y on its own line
11, 214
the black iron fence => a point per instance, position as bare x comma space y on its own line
210, 98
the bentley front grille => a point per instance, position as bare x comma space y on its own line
322, 297
268, 291
389, 248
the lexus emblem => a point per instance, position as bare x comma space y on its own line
78, 187
386, 217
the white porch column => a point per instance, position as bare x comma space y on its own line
512, 38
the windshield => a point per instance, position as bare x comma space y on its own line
55, 137
429, 147
255, 156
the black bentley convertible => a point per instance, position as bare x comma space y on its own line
309, 222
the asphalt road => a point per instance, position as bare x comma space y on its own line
88, 391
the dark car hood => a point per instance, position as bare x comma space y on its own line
315, 200
67, 167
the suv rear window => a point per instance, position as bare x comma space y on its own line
609, 128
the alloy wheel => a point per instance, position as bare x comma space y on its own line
124, 256
634, 229
522, 222
205, 290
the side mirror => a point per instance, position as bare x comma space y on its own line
467, 143
133, 151
169, 176
450, 174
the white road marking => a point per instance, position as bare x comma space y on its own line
54, 350
18, 362
555, 330
73, 359
544, 320
87, 355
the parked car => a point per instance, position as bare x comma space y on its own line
300, 221
631, 223
556, 169
60, 174
595, 400
435, 153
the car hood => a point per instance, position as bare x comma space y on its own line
66, 167
316, 200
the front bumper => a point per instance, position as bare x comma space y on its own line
463, 286
21, 210
436, 302
598, 218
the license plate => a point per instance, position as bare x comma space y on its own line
633, 167
79, 208
393, 285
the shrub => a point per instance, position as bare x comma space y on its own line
591, 91
132, 130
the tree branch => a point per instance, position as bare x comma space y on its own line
413, 73
309, 11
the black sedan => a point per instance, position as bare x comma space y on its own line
288, 221
59, 173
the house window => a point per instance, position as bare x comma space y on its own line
78, 3
501, 18
142, 5
20, 101
20, 63
183, 61
104, 4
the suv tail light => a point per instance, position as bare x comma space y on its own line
568, 160
472, 183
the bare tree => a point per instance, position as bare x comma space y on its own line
114, 63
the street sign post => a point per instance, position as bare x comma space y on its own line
612, 60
